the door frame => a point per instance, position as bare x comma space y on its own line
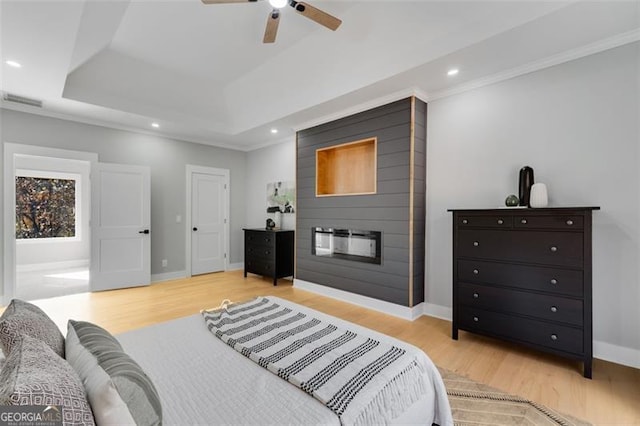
9, 207
191, 169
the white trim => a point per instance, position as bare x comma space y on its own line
168, 276
438, 311
365, 106
68, 264
601, 350
388, 308
118, 126
9, 193
190, 170
570, 55
618, 354
235, 266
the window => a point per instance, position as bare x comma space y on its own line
46, 205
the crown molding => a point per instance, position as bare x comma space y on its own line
569, 55
111, 125
365, 106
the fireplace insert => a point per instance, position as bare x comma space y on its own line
349, 244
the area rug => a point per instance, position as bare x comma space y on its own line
473, 403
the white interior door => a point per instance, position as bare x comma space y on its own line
208, 221
120, 226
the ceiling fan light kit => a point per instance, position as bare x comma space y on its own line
305, 9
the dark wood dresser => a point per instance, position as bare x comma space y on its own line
268, 253
524, 275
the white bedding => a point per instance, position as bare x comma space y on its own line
203, 381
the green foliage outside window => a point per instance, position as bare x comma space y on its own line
45, 208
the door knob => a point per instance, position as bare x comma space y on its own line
195, 229
146, 231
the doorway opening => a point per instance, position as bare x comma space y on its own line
46, 219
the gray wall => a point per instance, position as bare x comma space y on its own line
275, 163
167, 159
386, 211
576, 124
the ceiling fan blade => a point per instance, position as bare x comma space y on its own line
272, 27
315, 14
227, 1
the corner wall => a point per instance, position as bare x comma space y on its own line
275, 163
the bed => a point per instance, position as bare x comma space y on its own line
199, 379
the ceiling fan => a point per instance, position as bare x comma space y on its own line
305, 9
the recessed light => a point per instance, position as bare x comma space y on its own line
274, 131
156, 125
13, 64
453, 71
278, 4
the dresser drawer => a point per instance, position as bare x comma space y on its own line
541, 306
542, 333
549, 222
496, 221
260, 267
552, 280
259, 239
259, 252
552, 248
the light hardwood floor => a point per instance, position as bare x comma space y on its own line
612, 397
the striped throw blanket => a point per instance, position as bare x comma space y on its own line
363, 380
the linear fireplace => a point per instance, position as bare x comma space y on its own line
349, 244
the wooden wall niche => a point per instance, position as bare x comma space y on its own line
347, 169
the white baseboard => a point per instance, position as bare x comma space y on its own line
438, 311
618, 354
30, 267
167, 276
399, 311
601, 350
235, 266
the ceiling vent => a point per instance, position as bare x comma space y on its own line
9, 97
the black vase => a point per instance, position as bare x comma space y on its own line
526, 180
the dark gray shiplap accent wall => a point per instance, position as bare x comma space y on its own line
419, 199
386, 211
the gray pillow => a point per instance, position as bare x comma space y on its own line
119, 391
34, 375
23, 318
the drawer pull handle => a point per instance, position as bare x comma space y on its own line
569, 222
476, 244
476, 295
554, 281
554, 337
476, 272
476, 319
554, 309
523, 221
554, 249
465, 221
500, 221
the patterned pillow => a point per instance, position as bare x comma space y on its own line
119, 391
34, 375
23, 318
